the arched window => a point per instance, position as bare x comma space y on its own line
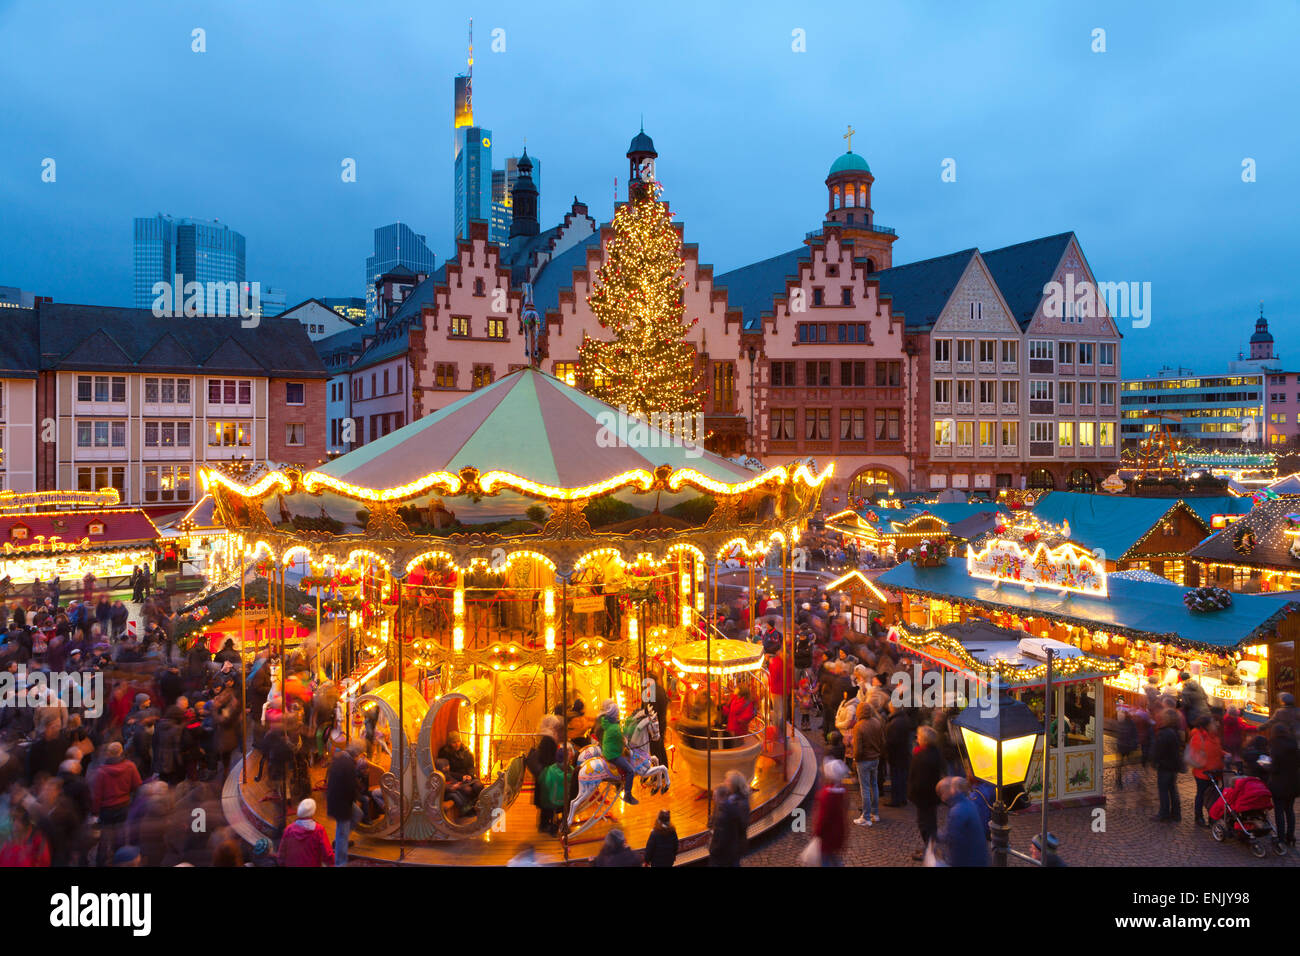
862, 196
1041, 480
848, 197
871, 264
871, 482
1080, 480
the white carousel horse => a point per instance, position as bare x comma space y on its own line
594, 771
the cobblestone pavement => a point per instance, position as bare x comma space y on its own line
1119, 834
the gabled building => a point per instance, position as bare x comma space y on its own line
319, 319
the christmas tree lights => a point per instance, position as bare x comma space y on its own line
648, 367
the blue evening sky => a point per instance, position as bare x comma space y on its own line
1139, 149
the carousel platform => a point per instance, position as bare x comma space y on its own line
254, 811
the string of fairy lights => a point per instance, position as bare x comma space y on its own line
648, 367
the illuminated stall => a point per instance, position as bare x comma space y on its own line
975, 656
44, 545
507, 545
1240, 646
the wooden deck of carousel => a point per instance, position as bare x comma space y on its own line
254, 812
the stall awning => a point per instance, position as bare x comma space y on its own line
1139, 609
56, 532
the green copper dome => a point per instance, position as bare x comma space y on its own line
850, 162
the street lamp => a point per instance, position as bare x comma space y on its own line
1000, 742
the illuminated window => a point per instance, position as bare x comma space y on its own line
295, 433
444, 375
167, 483
943, 432
228, 435
460, 326
496, 328
482, 376
567, 372
724, 385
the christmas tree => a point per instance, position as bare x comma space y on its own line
648, 368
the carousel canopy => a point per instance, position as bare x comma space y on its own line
531, 425
723, 656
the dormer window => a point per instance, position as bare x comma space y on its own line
95, 528
19, 532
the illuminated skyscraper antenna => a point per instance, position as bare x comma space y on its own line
469, 85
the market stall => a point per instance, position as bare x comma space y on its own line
67, 545
1241, 646
978, 656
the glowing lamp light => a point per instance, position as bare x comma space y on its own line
550, 638
686, 615
686, 584
632, 629
699, 601
1000, 741
548, 603
458, 603
458, 639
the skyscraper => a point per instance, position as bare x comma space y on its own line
472, 150
395, 245
155, 256
198, 250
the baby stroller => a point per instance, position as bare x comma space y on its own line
1243, 810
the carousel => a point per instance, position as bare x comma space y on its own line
523, 557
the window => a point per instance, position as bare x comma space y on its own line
1108, 393
102, 476
166, 434
229, 435
1010, 352
1064, 434
1010, 393
566, 372
965, 349
1085, 353
943, 350
780, 423
853, 424
977, 312
851, 332
460, 326
846, 296
496, 328
1065, 393
1278, 418
1087, 434
479, 287
1106, 433
166, 482
965, 391
943, 433
889, 374
295, 433
853, 374
101, 434
986, 434
1065, 353
167, 391
942, 391
1040, 390
294, 393
965, 434
1106, 353
724, 385
817, 373
817, 424
101, 388
1040, 349
444, 374
783, 374
888, 424
988, 392
229, 391
988, 350
812, 332
1010, 434
1087, 392
482, 376
1040, 431
819, 297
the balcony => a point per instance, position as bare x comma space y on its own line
882, 230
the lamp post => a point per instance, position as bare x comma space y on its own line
753, 445
1000, 741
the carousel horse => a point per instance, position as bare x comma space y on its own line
595, 773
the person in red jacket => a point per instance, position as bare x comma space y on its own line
829, 817
111, 789
26, 846
304, 842
777, 690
